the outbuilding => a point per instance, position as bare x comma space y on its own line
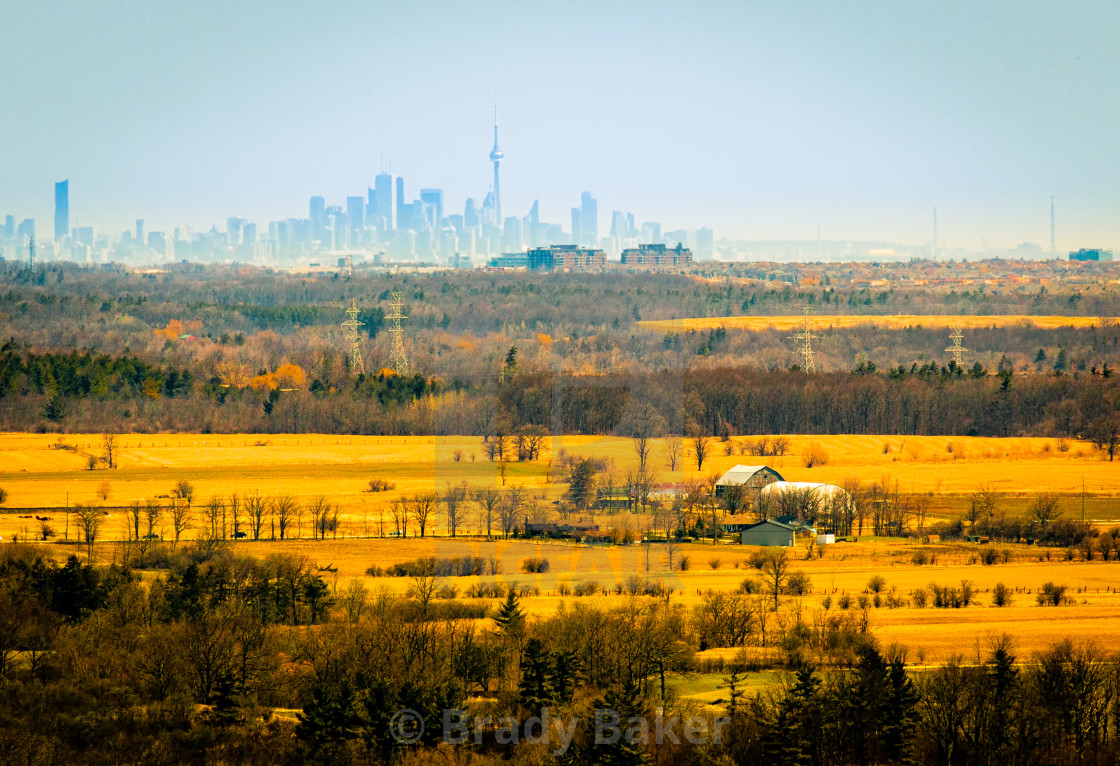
751, 478
769, 532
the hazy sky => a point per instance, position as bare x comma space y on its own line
757, 119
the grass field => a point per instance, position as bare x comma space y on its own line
897, 321
44, 473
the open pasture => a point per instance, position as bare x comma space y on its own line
932, 635
43, 474
889, 321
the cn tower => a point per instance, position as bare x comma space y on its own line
496, 157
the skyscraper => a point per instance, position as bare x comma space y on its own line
317, 212
589, 220
496, 157
384, 210
61, 209
355, 213
433, 200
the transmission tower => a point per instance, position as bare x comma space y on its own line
397, 358
351, 325
957, 349
804, 339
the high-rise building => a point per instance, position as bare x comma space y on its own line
233, 230
589, 220
249, 233
385, 216
9, 226
651, 232
433, 198
317, 212
355, 213
471, 217
577, 227
496, 157
705, 241
400, 193
61, 209
26, 228
140, 231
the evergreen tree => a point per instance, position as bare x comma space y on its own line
565, 676
628, 750
330, 717
510, 618
536, 673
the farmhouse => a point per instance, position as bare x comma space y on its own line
736, 523
752, 478
570, 529
769, 532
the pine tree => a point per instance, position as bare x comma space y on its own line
330, 718
628, 751
565, 676
536, 671
510, 618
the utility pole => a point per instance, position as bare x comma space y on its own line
957, 349
351, 325
397, 358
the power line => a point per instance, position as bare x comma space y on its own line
351, 325
805, 347
398, 360
957, 349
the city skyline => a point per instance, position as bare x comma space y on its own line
758, 122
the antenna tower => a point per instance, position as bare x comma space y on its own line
805, 347
397, 358
351, 325
957, 349
31, 253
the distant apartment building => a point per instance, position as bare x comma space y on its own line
657, 256
1091, 254
566, 258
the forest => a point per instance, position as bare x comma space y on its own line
245, 349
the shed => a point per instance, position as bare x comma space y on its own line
750, 477
769, 532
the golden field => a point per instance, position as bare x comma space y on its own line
896, 321
41, 477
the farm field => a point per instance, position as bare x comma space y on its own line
931, 635
43, 474
889, 321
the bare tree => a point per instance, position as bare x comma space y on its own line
152, 513
421, 507
109, 442
674, 446
283, 510
701, 447
400, 512
454, 500
180, 516
488, 499
641, 423
256, 508
235, 514
320, 511
133, 513
1104, 432
184, 491
509, 511
774, 574
214, 512
104, 489
1044, 509
89, 521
